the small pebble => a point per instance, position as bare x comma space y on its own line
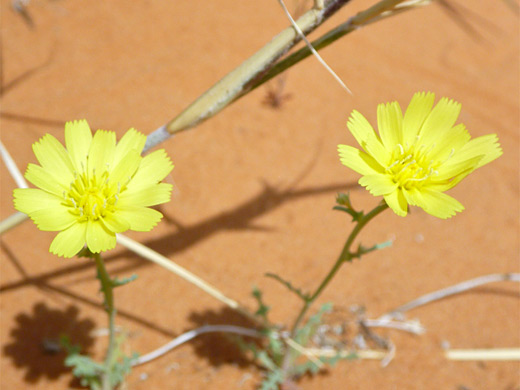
173, 367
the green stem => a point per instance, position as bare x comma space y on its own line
345, 255
107, 288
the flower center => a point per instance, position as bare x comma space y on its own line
411, 166
90, 197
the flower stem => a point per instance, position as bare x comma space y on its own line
345, 255
107, 287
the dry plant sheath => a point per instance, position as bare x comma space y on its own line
261, 67
236, 82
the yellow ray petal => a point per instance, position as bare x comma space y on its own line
367, 138
397, 202
43, 179
101, 152
389, 124
132, 140
115, 222
149, 196
98, 237
378, 184
141, 219
455, 168
153, 168
436, 203
358, 160
53, 157
70, 241
441, 120
53, 219
486, 146
125, 169
78, 137
452, 141
28, 200
418, 110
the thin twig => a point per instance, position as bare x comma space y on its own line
12, 221
483, 354
163, 261
406, 326
185, 337
377, 12
314, 52
12, 167
239, 80
361, 354
304, 351
456, 289
18, 217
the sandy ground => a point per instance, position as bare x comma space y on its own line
255, 186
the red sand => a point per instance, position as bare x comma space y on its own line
255, 187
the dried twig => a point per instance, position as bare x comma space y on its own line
483, 354
406, 326
185, 337
12, 167
164, 262
456, 289
313, 51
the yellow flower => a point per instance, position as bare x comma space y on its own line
94, 188
415, 158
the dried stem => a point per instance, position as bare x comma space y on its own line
456, 289
164, 262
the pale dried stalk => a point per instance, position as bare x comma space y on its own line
185, 337
311, 355
455, 289
483, 354
166, 263
361, 354
12, 167
314, 52
12, 221
18, 217
235, 82
240, 81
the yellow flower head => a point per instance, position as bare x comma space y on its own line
94, 188
415, 158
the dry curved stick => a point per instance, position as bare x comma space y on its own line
313, 51
185, 337
164, 262
452, 290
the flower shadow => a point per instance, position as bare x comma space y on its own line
241, 217
35, 343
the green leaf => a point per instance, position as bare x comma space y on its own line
266, 361
263, 309
344, 204
363, 250
121, 282
305, 333
88, 371
307, 367
297, 291
68, 347
122, 368
272, 380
